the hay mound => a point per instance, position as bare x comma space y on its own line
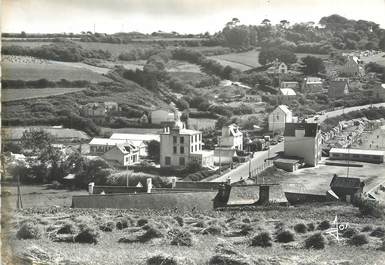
324, 225
224, 259
87, 235
226, 248
300, 228
35, 255
107, 227
179, 220
67, 228
349, 232
142, 222
285, 236
359, 240
378, 232
164, 259
151, 233
367, 228
315, 241
29, 231
263, 239
181, 238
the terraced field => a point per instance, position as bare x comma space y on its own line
8, 95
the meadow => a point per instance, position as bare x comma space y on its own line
8, 95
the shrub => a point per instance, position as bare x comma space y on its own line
349, 232
149, 234
29, 231
225, 259
164, 259
142, 222
123, 223
107, 227
212, 230
179, 220
378, 232
263, 239
285, 236
310, 227
181, 238
200, 224
246, 220
246, 229
67, 228
367, 228
324, 225
300, 228
371, 208
280, 226
315, 241
358, 240
87, 235
226, 248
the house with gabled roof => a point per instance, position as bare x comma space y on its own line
353, 67
347, 188
125, 154
303, 140
279, 117
338, 89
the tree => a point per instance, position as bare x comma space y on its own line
312, 65
284, 23
153, 148
265, 22
23, 34
269, 54
36, 140
182, 104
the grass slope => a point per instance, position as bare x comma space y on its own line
27, 93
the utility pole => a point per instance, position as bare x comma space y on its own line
219, 145
19, 203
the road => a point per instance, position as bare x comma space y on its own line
257, 162
338, 112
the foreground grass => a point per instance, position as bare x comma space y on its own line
207, 230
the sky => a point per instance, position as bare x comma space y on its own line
183, 16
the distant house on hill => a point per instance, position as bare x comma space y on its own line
252, 96
353, 67
98, 110
290, 84
303, 140
277, 68
312, 85
278, 117
162, 115
338, 89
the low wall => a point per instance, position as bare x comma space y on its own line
297, 198
117, 189
189, 201
198, 185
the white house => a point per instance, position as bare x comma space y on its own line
289, 84
99, 146
232, 137
303, 140
139, 140
353, 67
125, 154
161, 115
278, 68
179, 147
279, 117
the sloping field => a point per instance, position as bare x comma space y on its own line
378, 58
15, 133
49, 71
28, 93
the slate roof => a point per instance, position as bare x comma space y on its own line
345, 182
311, 129
338, 84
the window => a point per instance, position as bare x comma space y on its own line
182, 149
181, 161
181, 139
191, 139
174, 139
192, 149
127, 159
174, 150
356, 156
167, 160
196, 138
196, 147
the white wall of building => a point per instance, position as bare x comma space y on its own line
278, 118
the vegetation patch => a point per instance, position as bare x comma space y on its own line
181, 238
358, 240
300, 228
315, 241
378, 232
87, 235
263, 239
29, 230
285, 236
165, 259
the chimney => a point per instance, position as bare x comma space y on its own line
149, 185
173, 182
91, 187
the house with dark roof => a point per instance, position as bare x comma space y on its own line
338, 89
346, 188
303, 140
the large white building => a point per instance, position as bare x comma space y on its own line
179, 147
303, 140
279, 117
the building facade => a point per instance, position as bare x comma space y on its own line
303, 140
179, 147
232, 137
279, 117
312, 85
370, 156
338, 89
125, 154
353, 67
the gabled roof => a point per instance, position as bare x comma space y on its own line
287, 92
127, 148
284, 108
311, 129
345, 182
234, 130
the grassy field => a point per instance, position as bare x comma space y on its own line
378, 58
49, 71
234, 230
30, 44
28, 93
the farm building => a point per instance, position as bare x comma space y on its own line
278, 118
99, 146
370, 156
353, 67
252, 96
278, 68
285, 95
347, 189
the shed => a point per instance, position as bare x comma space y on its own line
346, 188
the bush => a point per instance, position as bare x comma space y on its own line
164, 259
122, 223
371, 208
226, 248
263, 239
29, 231
179, 220
310, 227
378, 232
324, 225
285, 236
67, 228
87, 235
300, 228
151, 233
315, 241
349, 232
142, 222
107, 227
225, 259
181, 238
246, 229
359, 240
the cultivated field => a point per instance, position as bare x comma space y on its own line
31, 44
61, 235
28, 93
